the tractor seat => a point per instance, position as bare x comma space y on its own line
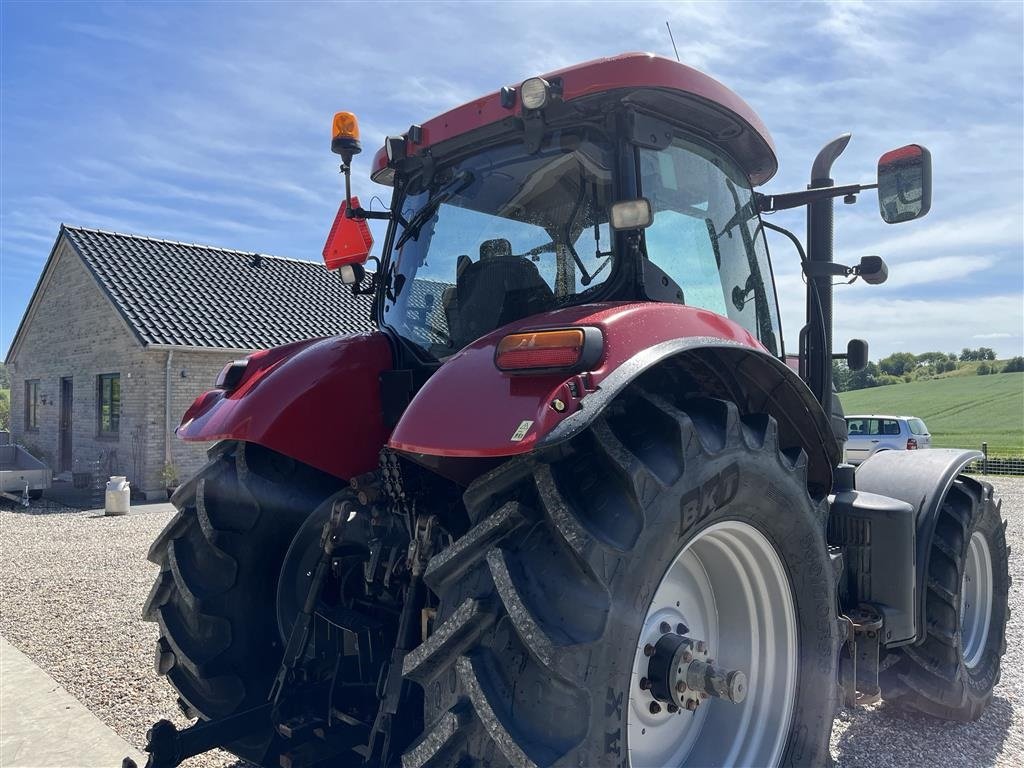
497, 289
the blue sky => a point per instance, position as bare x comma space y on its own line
209, 122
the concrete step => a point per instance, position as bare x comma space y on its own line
44, 726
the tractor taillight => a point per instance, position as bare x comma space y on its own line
562, 349
911, 444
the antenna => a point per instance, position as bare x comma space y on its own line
670, 37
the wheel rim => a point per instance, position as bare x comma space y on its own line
729, 588
976, 600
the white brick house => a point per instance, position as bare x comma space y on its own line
123, 332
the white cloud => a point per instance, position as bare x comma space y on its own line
924, 325
894, 323
998, 228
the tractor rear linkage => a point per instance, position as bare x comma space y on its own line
295, 689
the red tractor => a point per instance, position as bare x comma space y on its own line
569, 504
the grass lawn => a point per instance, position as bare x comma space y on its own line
960, 411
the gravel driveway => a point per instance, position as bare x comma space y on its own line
72, 586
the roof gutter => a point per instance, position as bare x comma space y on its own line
190, 348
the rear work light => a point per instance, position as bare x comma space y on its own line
563, 349
911, 444
534, 93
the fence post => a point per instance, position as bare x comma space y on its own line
984, 461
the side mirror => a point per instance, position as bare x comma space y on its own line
349, 241
856, 354
904, 184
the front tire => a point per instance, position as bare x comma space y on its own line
952, 674
547, 600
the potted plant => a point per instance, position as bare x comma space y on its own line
169, 474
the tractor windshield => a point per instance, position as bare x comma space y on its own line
501, 235
706, 237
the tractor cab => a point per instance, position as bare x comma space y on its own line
576, 195
503, 234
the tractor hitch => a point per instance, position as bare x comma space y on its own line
168, 747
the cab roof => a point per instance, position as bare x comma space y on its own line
666, 86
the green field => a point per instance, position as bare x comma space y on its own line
961, 411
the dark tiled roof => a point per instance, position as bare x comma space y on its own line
194, 295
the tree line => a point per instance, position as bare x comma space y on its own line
901, 367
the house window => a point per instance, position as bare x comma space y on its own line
109, 399
32, 405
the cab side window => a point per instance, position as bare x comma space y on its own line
705, 235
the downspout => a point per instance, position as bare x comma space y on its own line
168, 427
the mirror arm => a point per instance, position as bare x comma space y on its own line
772, 203
826, 268
357, 213
362, 213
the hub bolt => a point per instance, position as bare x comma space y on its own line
648, 650
692, 705
680, 687
665, 627
645, 684
702, 647
687, 656
655, 707
672, 709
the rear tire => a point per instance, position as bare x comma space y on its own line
219, 558
952, 674
544, 600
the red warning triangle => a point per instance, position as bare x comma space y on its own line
349, 241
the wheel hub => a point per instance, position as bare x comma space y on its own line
681, 674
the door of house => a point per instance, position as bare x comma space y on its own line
66, 402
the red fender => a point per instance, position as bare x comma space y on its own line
471, 409
316, 401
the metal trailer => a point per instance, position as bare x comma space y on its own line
22, 475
